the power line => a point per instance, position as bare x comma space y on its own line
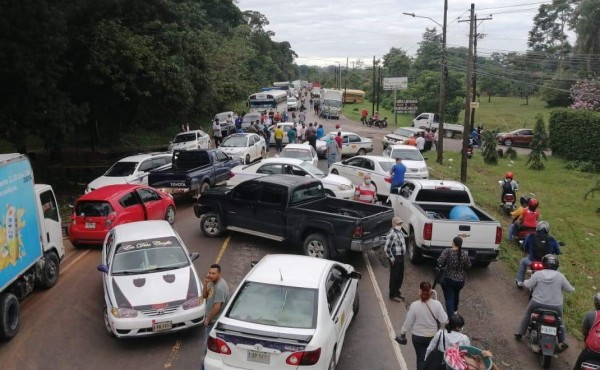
516, 5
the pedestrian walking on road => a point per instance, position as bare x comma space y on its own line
332, 151
457, 263
397, 172
363, 116
424, 318
267, 134
445, 338
291, 135
339, 141
278, 138
366, 192
217, 133
216, 293
395, 249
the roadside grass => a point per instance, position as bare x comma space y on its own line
561, 194
508, 113
352, 111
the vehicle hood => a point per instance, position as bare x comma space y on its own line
154, 288
396, 137
233, 150
106, 180
185, 145
332, 179
414, 164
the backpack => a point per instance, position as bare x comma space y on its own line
592, 342
541, 246
507, 187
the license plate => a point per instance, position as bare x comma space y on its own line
261, 357
375, 239
90, 225
162, 326
548, 330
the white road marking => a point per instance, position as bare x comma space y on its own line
386, 316
63, 270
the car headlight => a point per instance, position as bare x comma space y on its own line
344, 187
194, 302
123, 313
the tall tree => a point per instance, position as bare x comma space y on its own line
586, 22
396, 63
429, 54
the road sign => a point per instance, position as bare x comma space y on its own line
407, 105
474, 105
395, 83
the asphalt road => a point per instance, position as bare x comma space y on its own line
62, 328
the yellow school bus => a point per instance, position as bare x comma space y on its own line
353, 96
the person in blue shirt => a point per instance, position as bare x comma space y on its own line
537, 245
320, 132
475, 137
238, 123
397, 172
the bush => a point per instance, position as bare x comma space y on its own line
581, 166
490, 155
575, 134
511, 153
538, 144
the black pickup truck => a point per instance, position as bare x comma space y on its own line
295, 210
194, 171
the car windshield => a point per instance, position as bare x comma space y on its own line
121, 169
387, 166
303, 154
409, 155
275, 305
224, 117
312, 169
292, 100
235, 141
92, 208
403, 132
333, 103
251, 117
149, 255
182, 138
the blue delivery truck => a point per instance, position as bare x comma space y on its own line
31, 243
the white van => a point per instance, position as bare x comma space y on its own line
190, 140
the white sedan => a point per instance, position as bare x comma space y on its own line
300, 151
247, 147
357, 167
288, 312
149, 281
336, 186
353, 144
416, 167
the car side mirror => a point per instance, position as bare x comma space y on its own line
355, 275
194, 256
253, 263
102, 268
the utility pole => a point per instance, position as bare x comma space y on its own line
442, 106
463, 163
378, 86
345, 81
373, 89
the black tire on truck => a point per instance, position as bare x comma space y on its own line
449, 134
51, 271
414, 252
316, 245
211, 225
9, 316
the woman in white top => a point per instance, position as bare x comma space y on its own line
423, 320
450, 336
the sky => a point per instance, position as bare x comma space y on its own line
326, 32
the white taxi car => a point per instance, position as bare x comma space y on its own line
288, 312
335, 186
353, 144
190, 140
247, 147
131, 170
300, 151
400, 136
357, 167
149, 281
416, 167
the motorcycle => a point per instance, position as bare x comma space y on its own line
508, 201
542, 337
591, 365
470, 149
382, 123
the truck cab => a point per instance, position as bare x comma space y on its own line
50, 221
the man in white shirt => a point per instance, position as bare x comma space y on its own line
217, 133
420, 141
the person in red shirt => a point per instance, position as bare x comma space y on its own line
412, 141
366, 192
363, 116
530, 215
339, 141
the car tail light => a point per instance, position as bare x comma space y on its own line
217, 345
427, 231
358, 231
498, 235
549, 319
537, 266
304, 358
231, 174
194, 302
110, 219
388, 179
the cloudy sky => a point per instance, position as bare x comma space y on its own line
324, 32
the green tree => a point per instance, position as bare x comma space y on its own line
397, 63
538, 145
429, 54
488, 147
586, 22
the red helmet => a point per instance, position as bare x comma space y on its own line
509, 175
533, 203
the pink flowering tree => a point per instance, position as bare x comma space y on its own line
586, 95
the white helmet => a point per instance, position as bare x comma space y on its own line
543, 226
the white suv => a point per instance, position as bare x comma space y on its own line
131, 170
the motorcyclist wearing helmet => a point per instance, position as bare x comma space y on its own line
508, 186
524, 200
591, 333
547, 288
536, 245
530, 215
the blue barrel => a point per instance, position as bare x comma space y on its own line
463, 213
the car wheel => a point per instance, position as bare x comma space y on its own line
330, 193
107, 324
205, 186
361, 151
51, 270
356, 304
507, 142
263, 153
316, 245
9, 316
247, 160
210, 223
170, 215
335, 172
449, 134
415, 254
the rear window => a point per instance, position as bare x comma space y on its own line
409, 155
275, 305
121, 169
186, 160
93, 209
443, 195
308, 192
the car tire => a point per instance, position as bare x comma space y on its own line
170, 215
203, 187
109, 331
414, 252
50, 271
449, 134
9, 316
361, 151
330, 193
507, 142
316, 245
335, 172
211, 226
356, 304
247, 159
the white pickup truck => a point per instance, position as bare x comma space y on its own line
436, 211
432, 120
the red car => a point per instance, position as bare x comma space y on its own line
98, 211
520, 137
